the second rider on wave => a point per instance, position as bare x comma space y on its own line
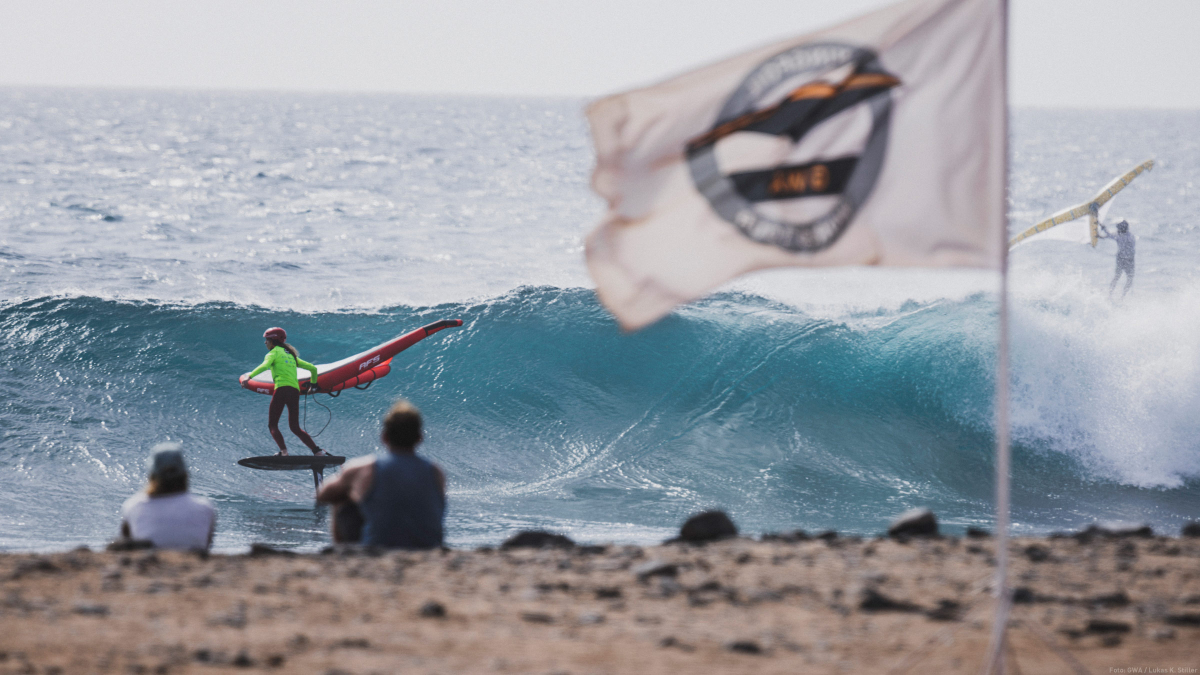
282, 359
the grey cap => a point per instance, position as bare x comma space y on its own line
166, 461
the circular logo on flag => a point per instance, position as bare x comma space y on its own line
798, 146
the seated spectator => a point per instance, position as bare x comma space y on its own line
401, 497
166, 514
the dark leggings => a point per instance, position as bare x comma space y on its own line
290, 397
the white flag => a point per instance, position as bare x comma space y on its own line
880, 141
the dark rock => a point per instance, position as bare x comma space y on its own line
1022, 595
243, 660
608, 593
1071, 632
708, 526
88, 609
977, 533
947, 610
1127, 550
1122, 530
709, 591
202, 656
914, 523
275, 660
764, 595
1113, 531
1117, 599
874, 601
259, 550
122, 545
537, 617
433, 610
354, 551
670, 641
1191, 529
655, 568
1188, 619
36, 564
592, 550
744, 647
1103, 626
536, 539
1037, 553
786, 537
1110, 641
299, 641
355, 643
146, 562
1086, 535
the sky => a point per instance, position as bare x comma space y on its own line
1063, 53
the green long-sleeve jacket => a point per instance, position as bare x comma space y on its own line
283, 368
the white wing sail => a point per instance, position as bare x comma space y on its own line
1064, 225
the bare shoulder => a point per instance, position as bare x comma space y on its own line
358, 463
440, 477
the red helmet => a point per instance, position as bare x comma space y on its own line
277, 334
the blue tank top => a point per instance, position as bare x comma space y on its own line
404, 508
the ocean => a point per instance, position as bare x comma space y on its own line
147, 238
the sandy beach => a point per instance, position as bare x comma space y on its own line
1083, 604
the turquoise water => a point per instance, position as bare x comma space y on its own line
149, 238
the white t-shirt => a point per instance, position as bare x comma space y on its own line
181, 520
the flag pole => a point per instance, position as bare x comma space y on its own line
995, 660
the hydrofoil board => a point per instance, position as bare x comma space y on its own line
291, 462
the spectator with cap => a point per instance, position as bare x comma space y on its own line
401, 497
166, 514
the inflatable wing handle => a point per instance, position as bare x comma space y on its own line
440, 325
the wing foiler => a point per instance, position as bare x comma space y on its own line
1089, 208
358, 371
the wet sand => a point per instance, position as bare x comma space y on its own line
736, 606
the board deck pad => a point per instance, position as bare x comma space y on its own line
291, 462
